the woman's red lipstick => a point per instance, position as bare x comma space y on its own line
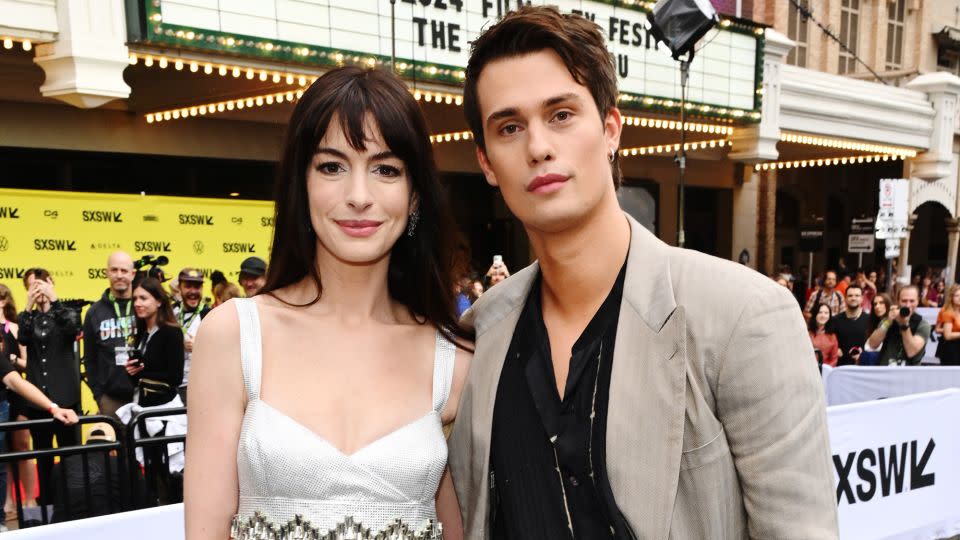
359, 227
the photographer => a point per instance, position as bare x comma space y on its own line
156, 361
189, 312
48, 330
904, 333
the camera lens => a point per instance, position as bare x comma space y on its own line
904, 311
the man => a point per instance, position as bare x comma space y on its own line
851, 326
253, 275
844, 282
903, 334
616, 391
189, 313
827, 294
108, 332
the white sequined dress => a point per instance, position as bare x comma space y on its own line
285, 469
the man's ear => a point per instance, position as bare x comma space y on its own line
486, 168
613, 127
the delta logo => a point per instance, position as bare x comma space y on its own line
54, 244
102, 216
152, 246
239, 247
195, 219
9, 212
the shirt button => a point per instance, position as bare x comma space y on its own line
573, 481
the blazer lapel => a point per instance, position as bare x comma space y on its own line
494, 321
645, 414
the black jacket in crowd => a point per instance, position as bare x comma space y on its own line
103, 330
51, 366
162, 356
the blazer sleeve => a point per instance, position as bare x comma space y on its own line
770, 399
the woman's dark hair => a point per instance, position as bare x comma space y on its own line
10, 308
874, 320
164, 312
421, 266
812, 323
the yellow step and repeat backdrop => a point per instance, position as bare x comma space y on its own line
72, 234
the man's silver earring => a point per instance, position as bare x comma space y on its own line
612, 156
412, 222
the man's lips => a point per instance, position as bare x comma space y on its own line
547, 183
358, 227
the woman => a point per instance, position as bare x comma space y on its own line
822, 336
948, 327
326, 394
48, 330
879, 310
156, 361
19, 439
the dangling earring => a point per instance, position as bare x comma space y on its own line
612, 156
412, 222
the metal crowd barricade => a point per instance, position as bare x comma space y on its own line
113, 504
156, 459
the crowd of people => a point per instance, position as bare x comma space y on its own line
136, 343
853, 321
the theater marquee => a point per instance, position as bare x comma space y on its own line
432, 40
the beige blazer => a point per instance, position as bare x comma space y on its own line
717, 423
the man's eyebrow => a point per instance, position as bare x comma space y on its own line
549, 102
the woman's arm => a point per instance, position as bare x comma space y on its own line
948, 333
217, 404
31, 393
448, 508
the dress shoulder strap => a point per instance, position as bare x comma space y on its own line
251, 349
443, 371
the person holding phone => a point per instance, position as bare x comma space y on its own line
48, 330
497, 272
904, 333
155, 362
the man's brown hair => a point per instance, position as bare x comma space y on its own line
579, 42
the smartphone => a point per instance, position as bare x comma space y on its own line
498, 260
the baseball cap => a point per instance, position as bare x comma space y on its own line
254, 266
190, 275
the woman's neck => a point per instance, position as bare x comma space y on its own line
151, 323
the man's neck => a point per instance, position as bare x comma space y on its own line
125, 295
580, 265
854, 313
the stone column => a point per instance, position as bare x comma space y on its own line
953, 242
758, 142
746, 205
943, 91
84, 66
767, 222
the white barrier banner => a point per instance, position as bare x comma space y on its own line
853, 384
161, 523
897, 466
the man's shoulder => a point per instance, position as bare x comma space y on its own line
501, 299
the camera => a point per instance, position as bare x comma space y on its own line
153, 267
904, 311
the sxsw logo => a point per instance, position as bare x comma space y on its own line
96, 273
101, 216
54, 244
12, 273
196, 219
9, 212
266, 222
239, 247
141, 246
887, 465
